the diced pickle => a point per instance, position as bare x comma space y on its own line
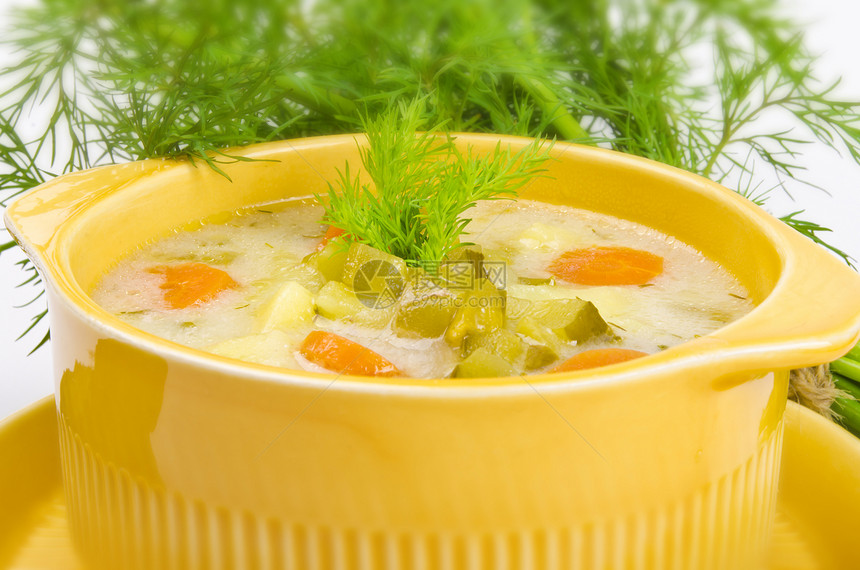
462, 266
329, 261
424, 310
517, 308
541, 334
474, 253
585, 323
482, 310
374, 273
336, 301
304, 274
502, 342
512, 347
482, 363
554, 313
571, 319
538, 356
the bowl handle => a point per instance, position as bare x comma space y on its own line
812, 316
36, 217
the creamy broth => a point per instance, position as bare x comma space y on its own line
262, 248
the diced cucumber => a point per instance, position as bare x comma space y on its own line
329, 261
583, 322
502, 342
304, 274
462, 266
336, 301
538, 356
374, 272
482, 310
541, 334
571, 319
518, 352
482, 363
613, 302
424, 311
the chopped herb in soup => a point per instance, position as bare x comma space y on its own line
544, 288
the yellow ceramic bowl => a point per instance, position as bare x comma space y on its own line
174, 458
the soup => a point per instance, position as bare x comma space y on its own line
541, 288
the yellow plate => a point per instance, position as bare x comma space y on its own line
817, 512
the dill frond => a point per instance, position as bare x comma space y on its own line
421, 186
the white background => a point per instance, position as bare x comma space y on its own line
831, 32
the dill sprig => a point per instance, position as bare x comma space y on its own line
421, 186
122, 81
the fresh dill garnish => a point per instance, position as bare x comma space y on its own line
422, 186
123, 81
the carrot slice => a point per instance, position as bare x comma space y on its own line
338, 354
607, 266
192, 283
598, 357
331, 233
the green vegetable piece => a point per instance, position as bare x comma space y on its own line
482, 363
473, 253
336, 301
376, 277
585, 322
502, 342
511, 347
482, 311
846, 367
329, 261
538, 356
570, 319
304, 274
541, 334
462, 266
517, 308
425, 310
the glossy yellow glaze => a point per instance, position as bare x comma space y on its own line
666, 461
